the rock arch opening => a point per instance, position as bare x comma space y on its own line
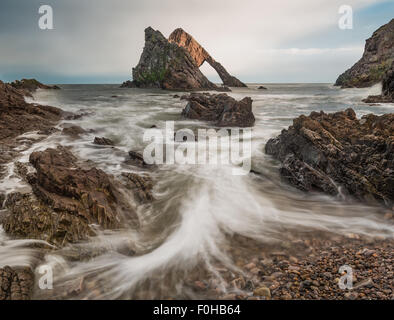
208, 71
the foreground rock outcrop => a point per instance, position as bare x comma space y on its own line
387, 95
222, 109
376, 60
16, 284
18, 117
67, 201
338, 153
200, 55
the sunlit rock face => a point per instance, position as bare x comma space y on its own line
200, 55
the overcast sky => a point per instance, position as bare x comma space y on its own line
99, 41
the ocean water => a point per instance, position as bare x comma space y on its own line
197, 207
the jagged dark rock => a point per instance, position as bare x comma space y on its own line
137, 159
222, 109
325, 152
223, 89
48, 131
31, 85
103, 141
22, 170
387, 95
75, 116
73, 131
2, 199
30, 217
376, 60
67, 200
18, 117
141, 185
129, 84
262, 88
16, 283
165, 65
200, 55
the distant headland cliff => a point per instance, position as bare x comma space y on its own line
375, 62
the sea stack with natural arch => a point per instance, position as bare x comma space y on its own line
173, 64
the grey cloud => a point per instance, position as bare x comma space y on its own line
99, 39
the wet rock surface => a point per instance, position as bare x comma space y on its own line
18, 117
30, 217
2, 199
67, 200
30, 85
77, 115
323, 152
376, 60
141, 185
387, 95
88, 193
73, 131
129, 84
137, 159
16, 283
222, 109
103, 141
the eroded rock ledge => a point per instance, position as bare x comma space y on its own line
17, 116
67, 200
30, 85
222, 109
332, 152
